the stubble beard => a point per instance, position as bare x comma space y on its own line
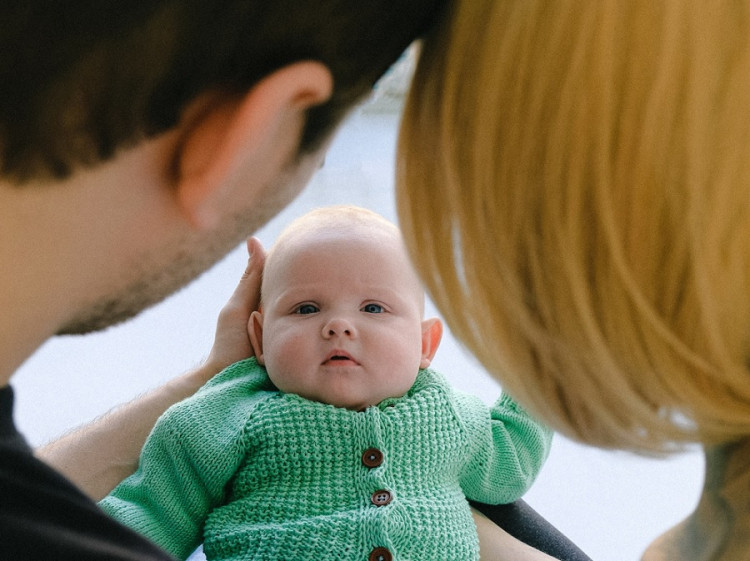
150, 284
152, 281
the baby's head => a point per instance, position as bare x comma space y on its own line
341, 317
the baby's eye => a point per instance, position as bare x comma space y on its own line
306, 309
373, 309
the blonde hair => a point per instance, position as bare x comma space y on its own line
574, 188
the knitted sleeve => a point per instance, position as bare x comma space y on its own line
191, 454
508, 450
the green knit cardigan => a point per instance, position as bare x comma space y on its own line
258, 474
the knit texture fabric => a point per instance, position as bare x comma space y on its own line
258, 474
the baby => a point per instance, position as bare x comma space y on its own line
336, 441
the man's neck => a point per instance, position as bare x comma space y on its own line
32, 285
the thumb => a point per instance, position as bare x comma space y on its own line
247, 294
231, 342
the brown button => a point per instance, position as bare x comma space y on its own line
372, 458
380, 554
381, 498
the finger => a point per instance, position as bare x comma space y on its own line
247, 293
256, 257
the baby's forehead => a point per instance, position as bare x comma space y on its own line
292, 251
320, 229
379, 238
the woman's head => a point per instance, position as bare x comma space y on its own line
574, 184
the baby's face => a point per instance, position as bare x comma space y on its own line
342, 320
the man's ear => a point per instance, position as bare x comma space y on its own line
255, 332
432, 333
242, 142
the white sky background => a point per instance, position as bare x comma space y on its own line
610, 504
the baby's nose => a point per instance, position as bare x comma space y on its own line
338, 326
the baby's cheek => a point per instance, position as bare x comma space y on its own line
285, 365
402, 374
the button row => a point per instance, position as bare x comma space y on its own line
372, 458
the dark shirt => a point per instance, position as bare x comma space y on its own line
43, 516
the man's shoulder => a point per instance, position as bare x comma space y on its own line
39, 505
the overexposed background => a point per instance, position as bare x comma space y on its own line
610, 504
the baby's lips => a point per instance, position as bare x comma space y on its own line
339, 355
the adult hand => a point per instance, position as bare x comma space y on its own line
231, 342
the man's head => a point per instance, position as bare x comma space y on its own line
342, 308
140, 143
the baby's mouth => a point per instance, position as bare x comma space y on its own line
340, 358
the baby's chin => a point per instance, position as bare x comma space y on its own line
352, 403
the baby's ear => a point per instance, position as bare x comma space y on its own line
255, 332
432, 333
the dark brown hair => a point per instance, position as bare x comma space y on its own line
80, 79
